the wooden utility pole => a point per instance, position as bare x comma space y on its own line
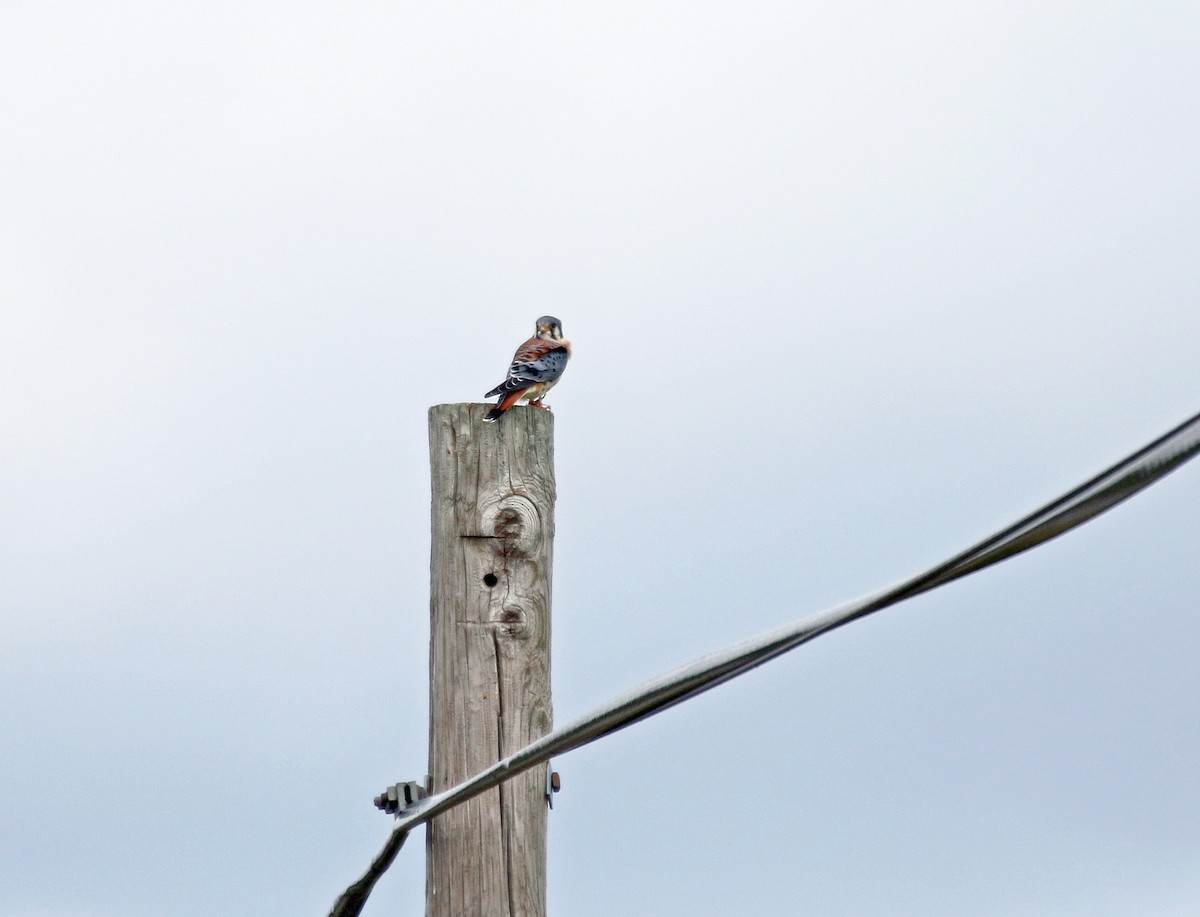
489, 655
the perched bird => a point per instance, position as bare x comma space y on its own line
536, 366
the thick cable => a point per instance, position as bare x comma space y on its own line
1083, 503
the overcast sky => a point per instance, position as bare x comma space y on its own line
850, 286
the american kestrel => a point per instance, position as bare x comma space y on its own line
536, 366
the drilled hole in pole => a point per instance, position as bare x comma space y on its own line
490, 579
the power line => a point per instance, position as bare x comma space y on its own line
1083, 503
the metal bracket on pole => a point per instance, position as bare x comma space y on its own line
400, 797
553, 784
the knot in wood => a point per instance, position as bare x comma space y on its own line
515, 520
512, 620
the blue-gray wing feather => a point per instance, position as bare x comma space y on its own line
524, 373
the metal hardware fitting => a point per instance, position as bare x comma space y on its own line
400, 797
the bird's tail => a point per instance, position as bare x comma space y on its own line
502, 405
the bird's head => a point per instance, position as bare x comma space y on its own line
549, 328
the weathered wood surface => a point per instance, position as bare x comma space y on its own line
489, 654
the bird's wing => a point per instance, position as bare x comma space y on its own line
535, 361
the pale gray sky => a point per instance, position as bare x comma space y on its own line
850, 285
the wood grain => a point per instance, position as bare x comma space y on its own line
489, 654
